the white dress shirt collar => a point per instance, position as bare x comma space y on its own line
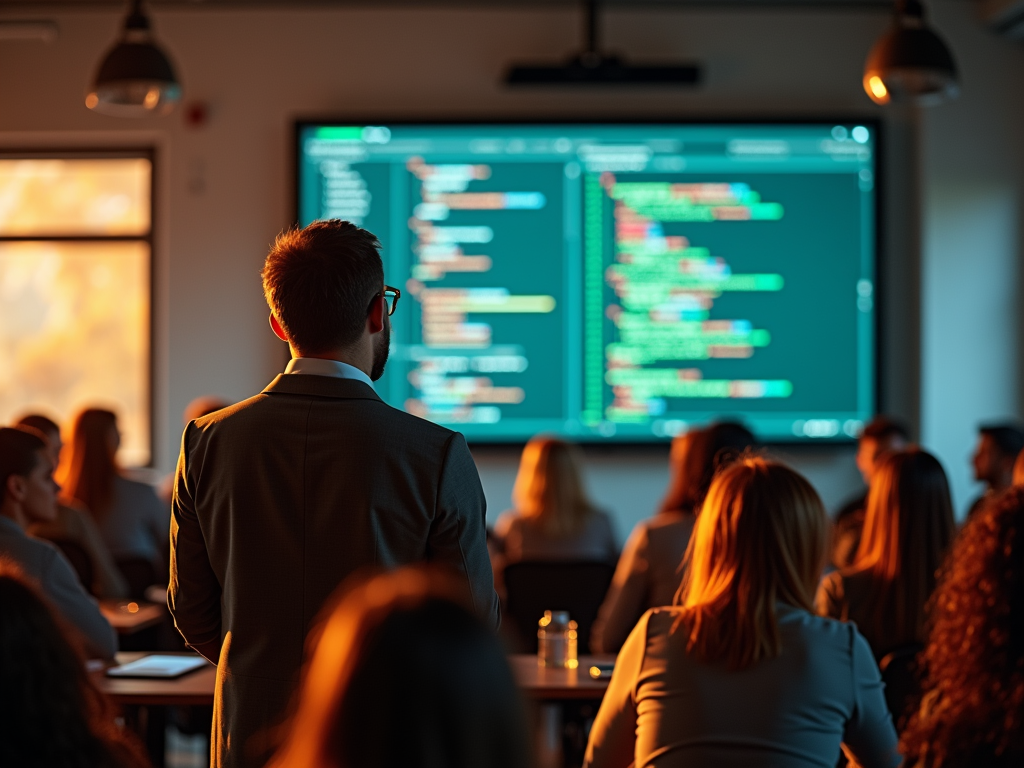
315, 366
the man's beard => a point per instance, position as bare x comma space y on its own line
381, 348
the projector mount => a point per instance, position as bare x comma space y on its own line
591, 67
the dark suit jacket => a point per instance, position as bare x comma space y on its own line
277, 499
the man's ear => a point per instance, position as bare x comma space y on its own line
16, 487
278, 330
375, 319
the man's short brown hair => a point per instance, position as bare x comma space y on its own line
319, 282
19, 453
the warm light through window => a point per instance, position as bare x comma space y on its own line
75, 313
46, 197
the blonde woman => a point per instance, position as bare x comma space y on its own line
650, 567
741, 672
908, 528
553, 519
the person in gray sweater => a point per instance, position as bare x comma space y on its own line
28, 494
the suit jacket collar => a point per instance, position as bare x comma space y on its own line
320, 386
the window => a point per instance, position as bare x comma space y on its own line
75, 289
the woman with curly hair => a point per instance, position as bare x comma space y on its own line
972, 713
51, 714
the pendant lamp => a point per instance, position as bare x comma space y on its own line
135, 78
910, 63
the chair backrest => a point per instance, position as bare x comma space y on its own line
79, 559
533, 587
901, 674
140, 573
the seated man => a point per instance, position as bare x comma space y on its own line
997, 450
28, 494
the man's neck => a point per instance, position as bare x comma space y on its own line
13, 512
338, 356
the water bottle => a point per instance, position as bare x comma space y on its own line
557, 640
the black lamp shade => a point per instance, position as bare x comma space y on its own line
910, 64
135, 77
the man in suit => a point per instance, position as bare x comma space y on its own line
279, 498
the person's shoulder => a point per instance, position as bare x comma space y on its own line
669, 523
234, 412
410, 424
35, 556
662, 618
818, 631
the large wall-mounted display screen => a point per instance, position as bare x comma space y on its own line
616, 281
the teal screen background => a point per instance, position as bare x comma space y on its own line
616, 282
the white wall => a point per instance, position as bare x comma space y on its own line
225, 189
972, 168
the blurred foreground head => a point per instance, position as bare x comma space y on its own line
51, 714
403, 673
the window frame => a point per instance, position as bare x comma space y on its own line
109, 153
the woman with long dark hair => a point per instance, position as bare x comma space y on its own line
51, 714
649, 569
133, 521
908, 529
402, 674
740, 671
972, 712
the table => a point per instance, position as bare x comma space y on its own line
196, 688
553, 684
129, 617
548, 687
193, 689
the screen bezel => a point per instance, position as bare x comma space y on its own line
874, 122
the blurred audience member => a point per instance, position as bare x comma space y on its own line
972, 713
131, 518
74, 524
28, 494
649, 570
51, 714
879, 437
741, 671
201, 406
553, 518
997, 450
401, 674
907, 532
1018, 470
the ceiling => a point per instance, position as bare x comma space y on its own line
846, 5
